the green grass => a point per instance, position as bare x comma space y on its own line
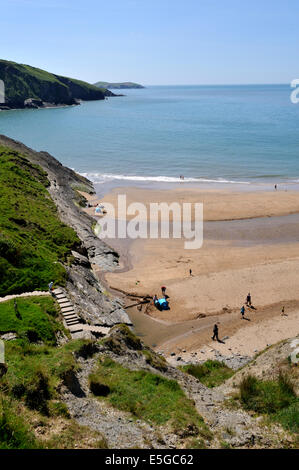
210, 373
14, 431
273, 398
36, 318
35, 372
33, 241
147, 396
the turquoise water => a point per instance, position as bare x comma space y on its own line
218, 133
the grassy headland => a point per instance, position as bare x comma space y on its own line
119, 85
23, 82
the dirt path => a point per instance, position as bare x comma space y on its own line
25, 294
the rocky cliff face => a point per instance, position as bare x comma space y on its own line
86, 292
27, 86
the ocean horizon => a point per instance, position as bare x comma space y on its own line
236, 134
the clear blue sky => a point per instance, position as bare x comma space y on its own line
155, 41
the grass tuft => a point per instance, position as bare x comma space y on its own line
210, 373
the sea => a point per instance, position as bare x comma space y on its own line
168, 134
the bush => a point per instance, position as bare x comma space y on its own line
35, 391
266, 397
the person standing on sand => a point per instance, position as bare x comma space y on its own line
190, 272
215, 331
283, 312
248, 300
163, 289
242, 311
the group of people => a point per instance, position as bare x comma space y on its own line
247, 303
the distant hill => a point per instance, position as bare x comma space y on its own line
27, 86
118, 86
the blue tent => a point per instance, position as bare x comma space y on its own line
162, 303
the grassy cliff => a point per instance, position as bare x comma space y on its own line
23, 82
33, 240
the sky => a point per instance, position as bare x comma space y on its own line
155, 42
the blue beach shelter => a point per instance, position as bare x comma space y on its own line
163, 303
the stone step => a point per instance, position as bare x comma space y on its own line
66, 309
104, 330
57, 291
71, 323
62, 300
70, 314
68, 321
66, 304
59, 296
71, 317
76, 328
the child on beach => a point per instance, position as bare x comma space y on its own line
242, 312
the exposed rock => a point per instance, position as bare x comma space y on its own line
33, 103
8, 336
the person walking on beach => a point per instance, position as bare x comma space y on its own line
215, 331
248, 299
242, 311
283, 312
190, 272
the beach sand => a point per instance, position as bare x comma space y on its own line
251, 243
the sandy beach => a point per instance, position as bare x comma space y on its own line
251, 244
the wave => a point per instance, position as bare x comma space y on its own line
98, 178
